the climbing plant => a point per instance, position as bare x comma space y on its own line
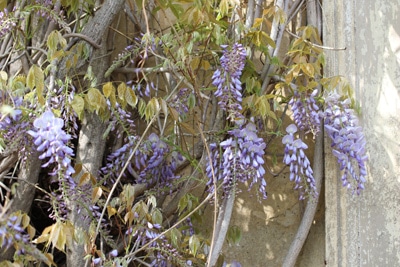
120, 121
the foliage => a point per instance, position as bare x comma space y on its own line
184, 105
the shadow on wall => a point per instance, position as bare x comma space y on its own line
269, 226
371, 32
380, 101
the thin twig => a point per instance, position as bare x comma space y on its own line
83, 37
276, 34
128, 161
316, 45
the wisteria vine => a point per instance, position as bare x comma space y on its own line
237, 150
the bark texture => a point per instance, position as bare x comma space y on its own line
91, 143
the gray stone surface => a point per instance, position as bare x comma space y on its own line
365, 230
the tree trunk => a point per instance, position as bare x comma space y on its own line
91, 143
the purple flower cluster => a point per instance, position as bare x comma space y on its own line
153, 161
300, 169
241, 159
180, 101
7, 23
227, 80
51, 139
160, 252
12, 125
11, 233
117, 160
111, 255
120, 117
158, 164
348, 142
144, 89
306, 111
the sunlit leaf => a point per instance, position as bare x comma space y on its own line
25, 220
77, 168
3, 76
130, 97
142, 108
31, 231
108, 89
35, 79
55, 235
111, 211
85, 178
152, 108
157, 216
128, 195
128, 218
78, 105
96, 101
308, 69
257, 22
121, 94
96, 194
194, 64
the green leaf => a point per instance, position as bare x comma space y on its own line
78, 105
175, 236
224, 7
308, 69
234, 235
257, 22
152, 108
183, 202
191, 101
3, 76
194, 244
121, 94
128, 194
130, 97
157, 217
54, 40
96, 101
3, 4
142, 108
108, 89
35, 79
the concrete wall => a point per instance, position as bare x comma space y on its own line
365, 230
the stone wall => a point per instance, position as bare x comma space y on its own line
365, 230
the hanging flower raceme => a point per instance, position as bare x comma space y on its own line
12, 125
161, 166
241, 160
306, 111
300, 169
153, 163
51, 139
7, 23
348, 142
227, 80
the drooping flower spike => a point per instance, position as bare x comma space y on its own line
348, 141
300, 169
227, 80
